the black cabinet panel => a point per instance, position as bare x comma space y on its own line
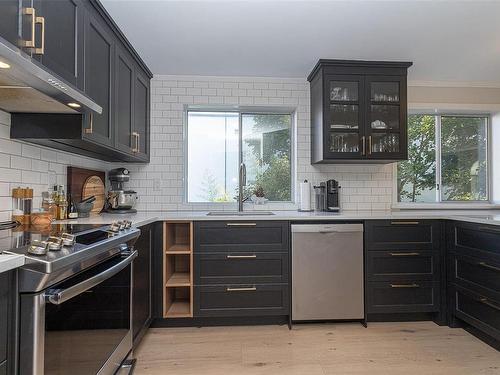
227, 268
142, 289
3, 368
476, 240
63, 55
4, 314
402, 297
240, 300
99, 57
478, 311
402, 234
241, 236
9, 21
402, 265
358, 111
124, 81
141, 115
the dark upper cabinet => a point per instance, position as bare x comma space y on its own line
63, 35
358, 111
10, 14
83, 46
124, 108
141, 115
141, 310
99, 58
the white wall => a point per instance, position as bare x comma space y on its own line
24, 164
160, 184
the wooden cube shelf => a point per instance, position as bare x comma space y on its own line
178, 269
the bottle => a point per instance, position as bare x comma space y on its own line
62, 204
72, 213
48, 204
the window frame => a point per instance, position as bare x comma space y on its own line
241, 111
439, 202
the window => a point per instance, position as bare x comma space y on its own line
218, 141
447, 159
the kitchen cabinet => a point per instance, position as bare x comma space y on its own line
241, 269
474, 276
8, 332
358, 111
404, 268
99, 59
63, 39
10, 14
94, 56
142, 288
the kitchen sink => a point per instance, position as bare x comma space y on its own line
240, 213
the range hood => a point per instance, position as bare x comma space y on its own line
25, 87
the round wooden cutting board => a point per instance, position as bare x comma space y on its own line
94, 185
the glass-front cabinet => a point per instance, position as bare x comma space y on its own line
358, 111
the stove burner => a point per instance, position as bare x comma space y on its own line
39, 248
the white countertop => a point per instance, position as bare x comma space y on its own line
142, 218
9, 262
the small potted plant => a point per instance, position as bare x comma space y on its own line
258, 196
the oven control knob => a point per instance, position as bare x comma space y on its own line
114, 227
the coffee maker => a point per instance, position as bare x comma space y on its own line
120, 201
328, 196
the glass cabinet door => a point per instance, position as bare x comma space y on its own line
385, 117
344, 119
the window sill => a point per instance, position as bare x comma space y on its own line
446, 206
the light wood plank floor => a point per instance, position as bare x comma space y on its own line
416, 348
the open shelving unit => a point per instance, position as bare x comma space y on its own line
178, 269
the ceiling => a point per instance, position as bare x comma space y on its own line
446, 40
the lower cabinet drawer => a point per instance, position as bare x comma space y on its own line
478, 311
402, 297
240, 300
478, 275
241, 268
402, 265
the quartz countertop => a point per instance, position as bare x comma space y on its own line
143, 218
9, 262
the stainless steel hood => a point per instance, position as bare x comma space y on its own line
27, 88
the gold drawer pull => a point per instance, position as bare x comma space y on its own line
241, 256
40, 50
404, 254
363, 147
485, 301
489, 266
405, 286
135, 135
252, 289
405, 222
90, 129
241, 224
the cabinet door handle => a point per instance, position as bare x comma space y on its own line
30, 12
405, 222
241, 256
363, 145
136, 136
41, 49
241, 224
489, 266
252, 289
90, 129
404, 254
405, 286
486, 302
369, 145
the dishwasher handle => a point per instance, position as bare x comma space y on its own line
326, 228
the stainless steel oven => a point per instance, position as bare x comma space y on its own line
79, 322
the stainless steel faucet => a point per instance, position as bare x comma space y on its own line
242, 181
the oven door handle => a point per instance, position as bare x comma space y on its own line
58, 296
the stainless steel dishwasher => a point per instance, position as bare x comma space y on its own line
327, 272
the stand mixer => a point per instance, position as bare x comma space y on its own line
118, 200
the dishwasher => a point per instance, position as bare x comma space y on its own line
327, 272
